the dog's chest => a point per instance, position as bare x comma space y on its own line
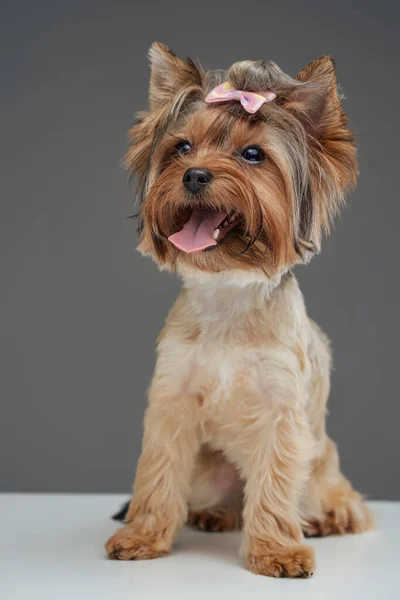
214, 369
224, 364
226, 346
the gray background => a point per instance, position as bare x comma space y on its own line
80, 310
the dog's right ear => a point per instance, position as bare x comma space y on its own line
169, 74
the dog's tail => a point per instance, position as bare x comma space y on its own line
121, 514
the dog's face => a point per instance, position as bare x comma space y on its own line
222, 189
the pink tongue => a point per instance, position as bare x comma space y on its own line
197, 233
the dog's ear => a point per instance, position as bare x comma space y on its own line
317, 103
169, 74
332, 154
174, 84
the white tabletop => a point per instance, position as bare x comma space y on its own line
52, 547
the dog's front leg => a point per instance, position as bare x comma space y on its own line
162, 485
273, 450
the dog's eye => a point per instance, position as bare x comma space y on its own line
253, 154
183, 147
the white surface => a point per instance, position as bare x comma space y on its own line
52, 547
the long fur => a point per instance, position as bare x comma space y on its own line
235, 427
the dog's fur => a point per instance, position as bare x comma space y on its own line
235, 428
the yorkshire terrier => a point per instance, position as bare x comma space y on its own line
239, 173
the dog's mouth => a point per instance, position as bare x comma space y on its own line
205, 228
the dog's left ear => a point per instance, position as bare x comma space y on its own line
169, 74
332, 154
317, 103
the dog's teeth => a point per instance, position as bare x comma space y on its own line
232, 218
225, 224
216, 234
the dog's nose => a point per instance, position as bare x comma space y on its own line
196, 179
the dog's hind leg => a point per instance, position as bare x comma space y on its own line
330, 504
216, 501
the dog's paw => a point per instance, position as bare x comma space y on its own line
345, 515
214, 521
126, 544
280, 561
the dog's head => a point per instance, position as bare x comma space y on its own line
221, 188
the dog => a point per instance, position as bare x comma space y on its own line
239, 174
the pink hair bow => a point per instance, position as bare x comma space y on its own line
251, 101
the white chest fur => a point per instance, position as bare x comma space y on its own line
228, 333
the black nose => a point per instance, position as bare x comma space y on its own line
196, 179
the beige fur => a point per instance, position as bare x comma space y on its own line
253, 384
235, 428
